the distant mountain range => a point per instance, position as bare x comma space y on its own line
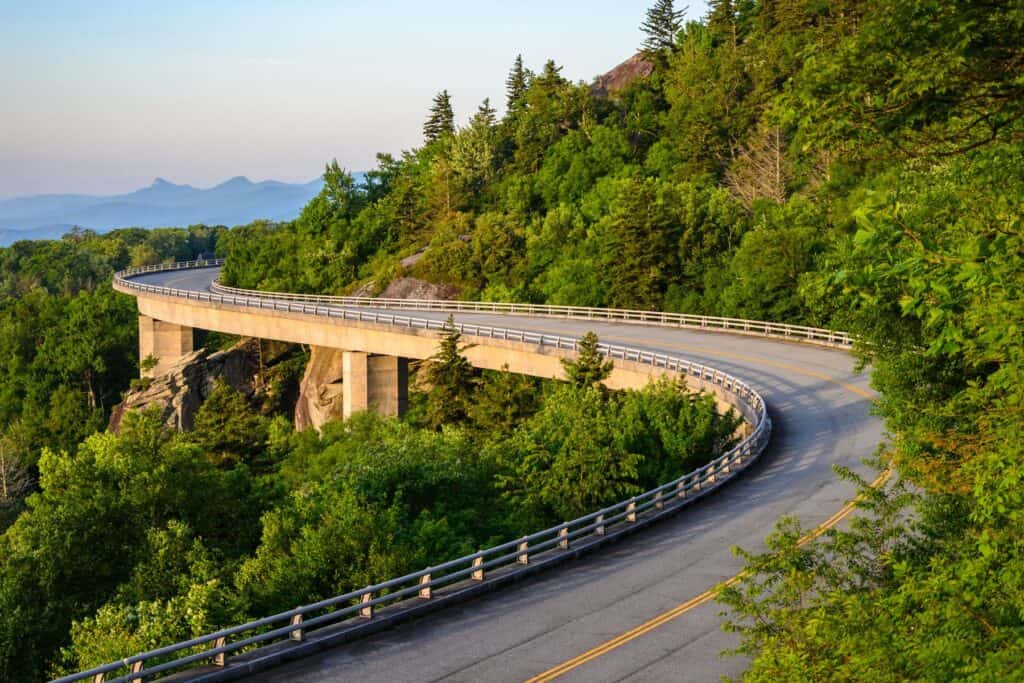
162, 204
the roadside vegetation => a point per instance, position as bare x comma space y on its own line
849, 164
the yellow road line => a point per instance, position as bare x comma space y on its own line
705, 597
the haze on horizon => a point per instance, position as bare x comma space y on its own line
102, 97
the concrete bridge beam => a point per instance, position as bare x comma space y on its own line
166, 342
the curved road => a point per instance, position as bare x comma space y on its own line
820, 410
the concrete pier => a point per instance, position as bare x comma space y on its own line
377, 382
167, 342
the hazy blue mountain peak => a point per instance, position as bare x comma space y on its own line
163, 203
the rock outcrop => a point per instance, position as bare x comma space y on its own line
412, 288
182, 389
620, 77
320, 399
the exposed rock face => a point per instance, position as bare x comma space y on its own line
621, 76
320, 399
412, 288
188, 383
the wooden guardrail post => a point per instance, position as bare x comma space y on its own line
425, 588
478, 568
631, 511
220, 659
524, 555
599, 529
563, 537
297, 635
366, 611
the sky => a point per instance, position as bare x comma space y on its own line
102, 97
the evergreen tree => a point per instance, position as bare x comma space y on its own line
453, 380
590, 366
516, 84
441, 121
662, 26
551, 77
486, 116
635, 254
506, 400
721, 21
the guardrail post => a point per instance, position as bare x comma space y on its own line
99, 678
136, 669
221, 658
297, 634
658, 502
425, 589
524, 556
478, 571
599, 529
631, 511
366, 611
681, 489
563, 537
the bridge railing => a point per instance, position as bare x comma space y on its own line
476, 569
802, 333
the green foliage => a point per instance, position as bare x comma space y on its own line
504, 400
586, 448
568, 459
662, 25
452, 381
85, 532
590, 366
227, 429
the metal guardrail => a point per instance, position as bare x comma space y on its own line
295, 623
801, 333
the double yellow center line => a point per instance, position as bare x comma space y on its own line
707, 596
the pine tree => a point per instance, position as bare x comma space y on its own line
662, 26
551, 76
516, 84
441, 121
590, 366
486, 115
721, 21
453, 380
635, 253
505, 400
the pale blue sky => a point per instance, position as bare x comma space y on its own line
101, 97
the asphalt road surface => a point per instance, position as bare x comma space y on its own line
820, 409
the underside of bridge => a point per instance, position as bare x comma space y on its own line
368, 382
375, 368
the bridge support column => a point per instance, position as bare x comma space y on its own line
166, 342
380, 382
